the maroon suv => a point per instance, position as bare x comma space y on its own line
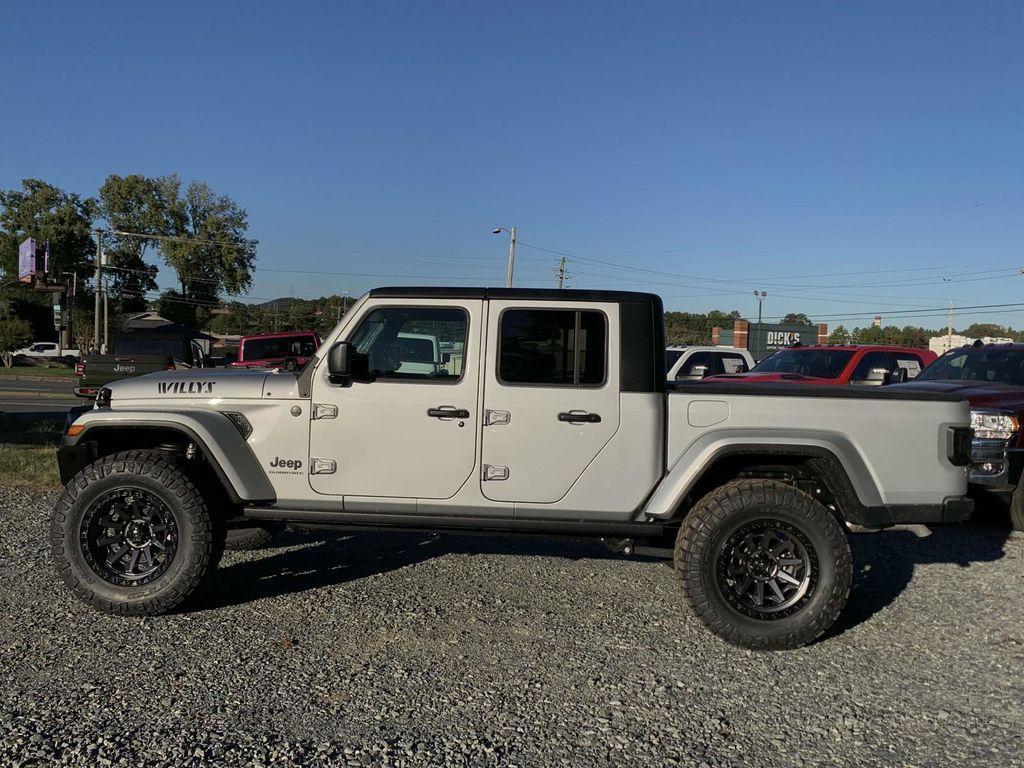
991, 378
271, 350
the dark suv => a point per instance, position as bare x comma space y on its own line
991, 378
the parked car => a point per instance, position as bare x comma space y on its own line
694, 363
48, 350
991, 378
273, 350
133, 355
556, 422
837, 365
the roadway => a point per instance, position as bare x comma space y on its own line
37, 396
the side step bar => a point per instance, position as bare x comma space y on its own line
434, 523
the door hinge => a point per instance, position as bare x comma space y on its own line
494, 418
495, 472
322, 466
324, 411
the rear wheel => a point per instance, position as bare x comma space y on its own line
131, 534
763, 564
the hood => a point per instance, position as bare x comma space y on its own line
758, 378
983, 394
191, 384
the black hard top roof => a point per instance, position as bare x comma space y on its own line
540, 294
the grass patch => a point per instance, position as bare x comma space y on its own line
30, 465
36, 372
28, 450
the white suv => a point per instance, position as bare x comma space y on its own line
694, 363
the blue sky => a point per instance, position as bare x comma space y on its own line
721, 146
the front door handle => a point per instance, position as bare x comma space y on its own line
579, 416
448, 412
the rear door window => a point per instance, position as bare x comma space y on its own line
552, 347
909, 361
730, 362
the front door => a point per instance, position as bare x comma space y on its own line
551, 396
407, 426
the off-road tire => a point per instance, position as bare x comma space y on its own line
199, 542
724, 512
1017, 508
258, 537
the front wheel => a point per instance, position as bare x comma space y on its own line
763, 564
131, 534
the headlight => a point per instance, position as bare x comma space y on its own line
990, 425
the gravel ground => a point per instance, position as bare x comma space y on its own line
412, 650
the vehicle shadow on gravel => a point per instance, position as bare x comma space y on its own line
884, 563
299, 561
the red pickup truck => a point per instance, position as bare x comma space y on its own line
836, 365
991, 378
271, 350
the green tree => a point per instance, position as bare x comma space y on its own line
870, 335
14, 334
978, 330
683, 328
141, 206
209, 251
238, 319
796, 318
839, 335
302, 314
46, 212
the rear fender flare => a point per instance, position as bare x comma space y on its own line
702, 454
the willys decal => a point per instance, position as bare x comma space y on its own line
185, 387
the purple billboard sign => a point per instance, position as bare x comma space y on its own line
27, 260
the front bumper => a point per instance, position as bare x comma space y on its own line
994, 465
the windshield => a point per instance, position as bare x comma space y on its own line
262, 349
820, 363
998, 365
671, 355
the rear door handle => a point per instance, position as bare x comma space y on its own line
579, 416
448, 412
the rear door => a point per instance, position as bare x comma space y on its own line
551, 396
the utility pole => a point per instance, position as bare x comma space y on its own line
511, 252
560, 273
511, 257
96, 303
949, 328
106, 320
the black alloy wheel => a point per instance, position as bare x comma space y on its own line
129, 537
767, 569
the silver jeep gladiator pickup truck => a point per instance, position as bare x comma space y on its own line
547, 412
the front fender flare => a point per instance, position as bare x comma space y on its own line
215, 434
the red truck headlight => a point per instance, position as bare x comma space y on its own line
993, 425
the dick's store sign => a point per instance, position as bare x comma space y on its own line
770, 337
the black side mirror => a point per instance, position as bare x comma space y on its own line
899, 376
339, 363
291, 364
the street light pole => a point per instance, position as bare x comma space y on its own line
760, 296
511, 252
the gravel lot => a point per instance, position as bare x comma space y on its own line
412, 650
